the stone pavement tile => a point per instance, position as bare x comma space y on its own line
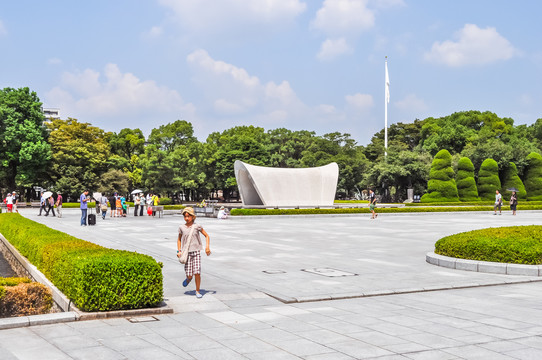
497, 332
172, 331
329, 356
526, 354
407, 347
221, 353
53, 331
303, 347
450, 331
392, 329
294, 326
431, 340
531, 341
154, 353
66, 343
94, 353
431, 355
272, 355
506, 323
323, 336
535, 330
476, 352
361, 319
342, 327
194, 320
5, 354
123, 343
502, 346
274, 335
159, 342
247, 345
289, 310
41, 352
406, 320
265, 316
452, 321
359, 349
193, 343
476, 339
377, 338
223, 332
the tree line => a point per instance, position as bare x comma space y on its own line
68, 155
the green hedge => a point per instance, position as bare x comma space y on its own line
414, 209
93, 277
510, 179
515, 244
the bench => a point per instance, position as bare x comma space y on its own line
158, 209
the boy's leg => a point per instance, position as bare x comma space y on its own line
198, 281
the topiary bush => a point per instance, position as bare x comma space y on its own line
165, 201
533, 180
514, 244
488, 179
510, 179
466, 185
441, 186
93, 277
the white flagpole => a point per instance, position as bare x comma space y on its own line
386, 101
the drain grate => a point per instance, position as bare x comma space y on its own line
142, 319
271, 272
329, 272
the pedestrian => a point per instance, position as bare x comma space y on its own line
193, 245
84, 207
42, 204
513, 202
50, 206
498, 202
119, 205
142, 204
59, 204
222, 214
9, 202
15, 200
155, 201
137, 202
103, 206
372, 204
149, 203
113, 203
124, 206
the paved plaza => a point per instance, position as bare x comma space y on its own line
309, 287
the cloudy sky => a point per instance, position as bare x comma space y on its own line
298, 64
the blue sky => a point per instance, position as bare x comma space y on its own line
298, 64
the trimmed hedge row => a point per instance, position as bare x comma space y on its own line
252, 212
94, 278
514, 244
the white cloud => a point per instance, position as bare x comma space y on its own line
154, 32
332, 48
360, 101
411, 104
386, 4
220, 15
472, 46
90, 94
344, 17
3, 30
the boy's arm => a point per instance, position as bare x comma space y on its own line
179, 245
207, 242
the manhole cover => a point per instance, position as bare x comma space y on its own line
329, 272
274, 272
141, 319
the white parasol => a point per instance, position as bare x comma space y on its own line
47, 194
97, 196
136, 191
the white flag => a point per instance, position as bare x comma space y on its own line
387, 84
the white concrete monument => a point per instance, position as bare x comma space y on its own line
266, 186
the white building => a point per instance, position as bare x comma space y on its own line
51, 113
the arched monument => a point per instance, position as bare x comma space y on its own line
266, 186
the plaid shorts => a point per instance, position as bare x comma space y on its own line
193, 265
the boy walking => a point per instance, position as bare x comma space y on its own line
193, 245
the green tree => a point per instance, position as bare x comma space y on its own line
24, 151
441, 186
488, 179
466, 185
112, 181
126, 148
533, 179
510, 179
80, 153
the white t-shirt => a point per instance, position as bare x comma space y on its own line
498, 198
9, 200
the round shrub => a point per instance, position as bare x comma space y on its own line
533, 180
165, 201
441, 185
466, 185
488, 179
514, 244
510, 179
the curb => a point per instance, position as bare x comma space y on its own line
483, 266
70, 311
